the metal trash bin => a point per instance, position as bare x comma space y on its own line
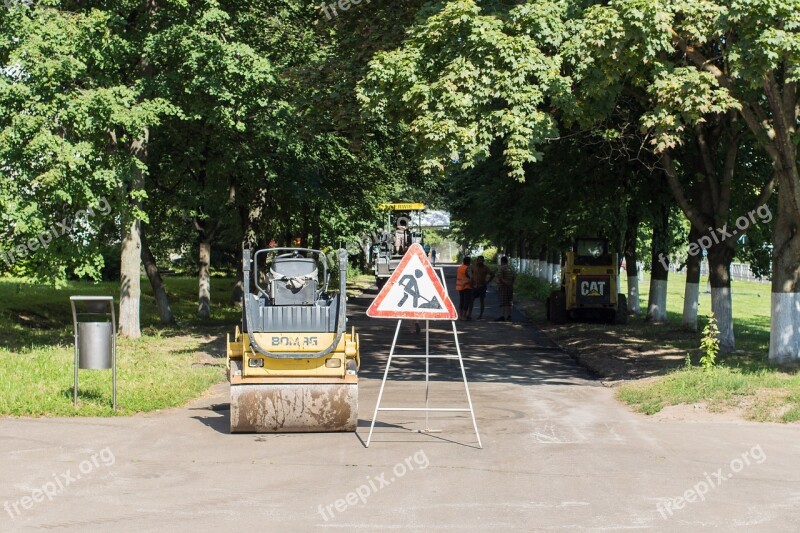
95, 339
95, 345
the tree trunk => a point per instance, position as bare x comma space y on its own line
316, 233
556, 268
130, 279
204, 278
657, 302
784, 342
719, 277
631, 266
540, 267
150, 267
131, 256
691, 295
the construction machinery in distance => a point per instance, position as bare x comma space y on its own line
293, 366
589, 285
388, 245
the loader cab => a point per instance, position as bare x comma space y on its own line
592, 252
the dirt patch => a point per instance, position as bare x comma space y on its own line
616, 352
699, 412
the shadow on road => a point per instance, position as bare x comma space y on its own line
498, 352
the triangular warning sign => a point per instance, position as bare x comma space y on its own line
413, 291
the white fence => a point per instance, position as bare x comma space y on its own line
537, 268
739, 271
552, 272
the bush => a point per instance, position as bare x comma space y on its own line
490, 255
531, 287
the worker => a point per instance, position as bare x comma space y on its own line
481, 277
464, 288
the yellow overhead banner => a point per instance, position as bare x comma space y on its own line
403, 207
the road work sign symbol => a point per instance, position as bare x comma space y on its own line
413, 291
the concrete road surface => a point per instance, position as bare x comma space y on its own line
559, 454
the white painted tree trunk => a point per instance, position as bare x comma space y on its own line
657, 304
691, 301
557, 273
548, 272
540, 269
633, 295
722, 307
784, 338
204, 281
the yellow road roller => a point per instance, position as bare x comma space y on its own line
293, 366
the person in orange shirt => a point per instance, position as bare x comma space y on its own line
481, 277
464, 288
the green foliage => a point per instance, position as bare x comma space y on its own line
464, 78
709, 344
490, 255
68, 116
532, 288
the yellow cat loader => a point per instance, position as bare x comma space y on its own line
293, 367
589, 285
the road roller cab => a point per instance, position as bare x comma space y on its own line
293, 367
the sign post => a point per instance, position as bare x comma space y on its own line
415, 292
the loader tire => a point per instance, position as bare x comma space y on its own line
622, 310
557, 307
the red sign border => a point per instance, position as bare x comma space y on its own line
450, 309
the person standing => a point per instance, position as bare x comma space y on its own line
464, 288
481, 276
505, 289
433, 256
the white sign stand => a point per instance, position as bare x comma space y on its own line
427, 355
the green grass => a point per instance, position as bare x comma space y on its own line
751, 310
764, 395
167, 367
742, 380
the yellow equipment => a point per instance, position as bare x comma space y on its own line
293, 367
589, 285
392, 242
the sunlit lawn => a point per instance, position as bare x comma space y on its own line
165, 368
743, 379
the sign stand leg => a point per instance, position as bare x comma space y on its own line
427, 368
383, 383
427, 355
427, 377
466, 386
